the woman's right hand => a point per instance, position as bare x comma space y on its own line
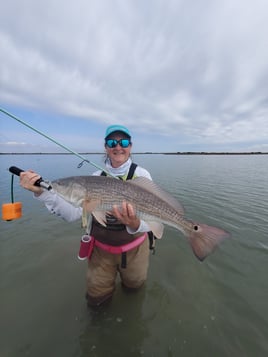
28, 179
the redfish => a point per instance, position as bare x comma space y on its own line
151, 203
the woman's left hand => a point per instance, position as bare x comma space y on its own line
127, 215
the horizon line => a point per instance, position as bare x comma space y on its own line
147, 153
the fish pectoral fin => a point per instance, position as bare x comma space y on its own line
157, 228
100, 216
90, 205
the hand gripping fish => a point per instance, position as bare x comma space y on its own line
151, 203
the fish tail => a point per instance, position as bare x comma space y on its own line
204, 239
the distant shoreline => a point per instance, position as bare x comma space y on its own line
141, 153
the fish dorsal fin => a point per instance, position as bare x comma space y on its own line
153, 188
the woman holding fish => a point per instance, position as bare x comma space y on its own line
119, 236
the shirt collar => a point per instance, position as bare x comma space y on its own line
118, 171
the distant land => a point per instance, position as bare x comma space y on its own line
142, 153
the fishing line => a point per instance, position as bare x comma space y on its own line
57, 142
12, 188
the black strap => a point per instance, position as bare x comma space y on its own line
131, 171
124, 260
151, 241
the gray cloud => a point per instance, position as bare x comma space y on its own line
197, 68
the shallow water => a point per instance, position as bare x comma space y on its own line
187, 308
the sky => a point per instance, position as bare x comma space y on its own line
182, 75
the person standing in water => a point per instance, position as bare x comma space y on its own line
122, 246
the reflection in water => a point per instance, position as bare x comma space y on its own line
123, 326
118, 328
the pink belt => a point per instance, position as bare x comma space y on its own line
121, 248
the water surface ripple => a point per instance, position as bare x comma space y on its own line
215, 308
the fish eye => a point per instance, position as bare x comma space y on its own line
196, 227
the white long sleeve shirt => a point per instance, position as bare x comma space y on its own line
58, 206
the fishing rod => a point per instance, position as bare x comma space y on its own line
56, 142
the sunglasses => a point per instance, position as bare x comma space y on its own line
111, 143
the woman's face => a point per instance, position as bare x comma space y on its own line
118, 155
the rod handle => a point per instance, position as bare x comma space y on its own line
40, 182
15, 170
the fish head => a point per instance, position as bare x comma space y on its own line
72, 189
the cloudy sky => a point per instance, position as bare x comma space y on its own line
183, 75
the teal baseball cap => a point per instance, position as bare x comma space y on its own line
113, 128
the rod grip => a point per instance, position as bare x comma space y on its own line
15, 170
40, 182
